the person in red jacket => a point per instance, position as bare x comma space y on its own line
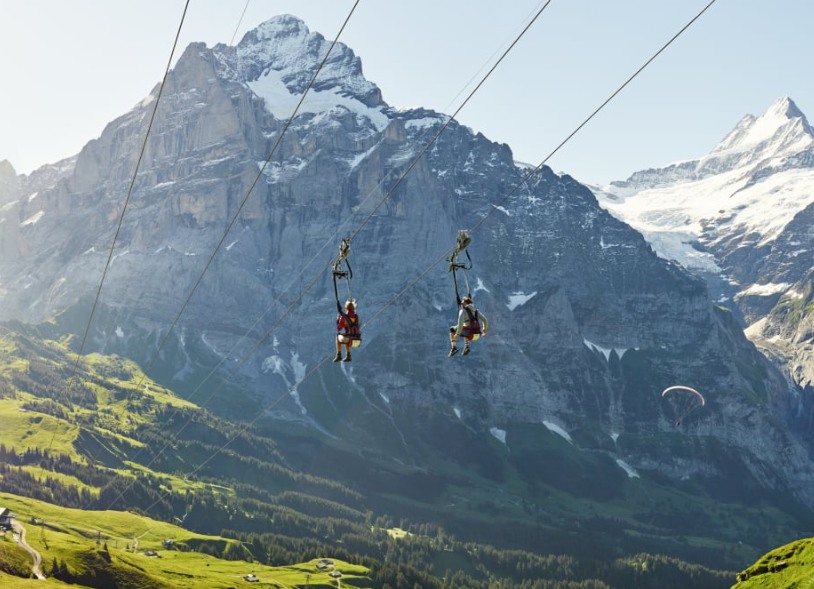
347, 324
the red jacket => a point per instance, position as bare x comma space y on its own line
348, 323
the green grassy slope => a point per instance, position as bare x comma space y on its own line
788, 567
116, 546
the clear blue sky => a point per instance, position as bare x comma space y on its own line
68, 68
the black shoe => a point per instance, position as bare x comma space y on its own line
347, 358
466, 350
453, 351
338, 357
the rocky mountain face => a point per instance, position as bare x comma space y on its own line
743, 216
588, 324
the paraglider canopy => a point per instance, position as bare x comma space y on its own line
682, 401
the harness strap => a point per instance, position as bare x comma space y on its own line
351, 328
461, 243
336, 292
474, 328
339, 272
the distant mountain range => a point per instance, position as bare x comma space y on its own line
558, 412
741, 215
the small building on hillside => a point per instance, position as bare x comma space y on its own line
5, 517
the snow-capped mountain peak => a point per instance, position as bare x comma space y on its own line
783, 125
785, 106
283, 47
749, 188
277, 60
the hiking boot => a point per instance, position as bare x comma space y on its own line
347, 358
466, 351
338, 357
453, 351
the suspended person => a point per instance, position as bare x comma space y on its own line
471, 325
347, 324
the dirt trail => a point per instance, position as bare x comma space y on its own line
35, 556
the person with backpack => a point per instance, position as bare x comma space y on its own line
471, 325
347, 324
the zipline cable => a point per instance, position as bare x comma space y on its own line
248, 193
372, 191
224, 383
563, 142
367, 219
240, 20
445, 255
491, 57
330, 240
420, 277
370, 215
393, 300
592, 115
124, 209
233, 221
451, 118
247, 425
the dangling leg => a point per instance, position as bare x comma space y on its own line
338, 356
348, 345
453, 338
466, 347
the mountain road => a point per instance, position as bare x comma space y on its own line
35, 556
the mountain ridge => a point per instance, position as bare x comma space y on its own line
559, 277
782, 131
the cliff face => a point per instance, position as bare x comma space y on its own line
588, 324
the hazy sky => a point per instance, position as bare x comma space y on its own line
70, 67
